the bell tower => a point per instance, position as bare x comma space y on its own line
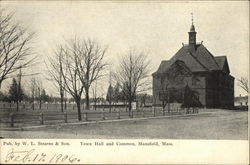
192, 36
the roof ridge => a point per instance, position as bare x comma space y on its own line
220, 56
212, 56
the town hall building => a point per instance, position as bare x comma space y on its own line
194, 78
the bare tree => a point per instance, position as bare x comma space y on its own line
55, 73
36, 88
164, 93
90, 63
15, 47
70, 75
78, 64
132, 73
243, 83
63, 70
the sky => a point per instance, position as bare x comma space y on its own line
157, 28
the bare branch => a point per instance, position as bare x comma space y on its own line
15, 49
132, 74
243, 83
76, 65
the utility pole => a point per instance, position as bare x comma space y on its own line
110, 92
18, 89
65, 100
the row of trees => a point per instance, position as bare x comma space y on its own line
76, 65
16, 93
79, 63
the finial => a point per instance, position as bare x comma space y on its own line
192, 15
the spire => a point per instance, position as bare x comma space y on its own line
192, 15
192, 28
192, 36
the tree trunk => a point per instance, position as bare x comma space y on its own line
126, 106
78, 104
87, 98
33, 104
65, 104
61, 102
17, 106
168, 105
129, 107
110, 106
40, 103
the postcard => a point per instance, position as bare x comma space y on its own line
124, 82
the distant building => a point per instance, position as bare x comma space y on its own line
194, 77
241, 101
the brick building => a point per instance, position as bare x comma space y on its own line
194, 77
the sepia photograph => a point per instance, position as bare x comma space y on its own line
124, 70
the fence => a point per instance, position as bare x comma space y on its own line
15, 118
6, 106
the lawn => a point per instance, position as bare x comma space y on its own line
216, 124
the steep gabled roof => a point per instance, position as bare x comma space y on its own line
188, 58
166, 66
206, 58
200, 60
163, 66
222, 62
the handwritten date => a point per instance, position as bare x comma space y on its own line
31, 156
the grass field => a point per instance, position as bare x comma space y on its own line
216, 124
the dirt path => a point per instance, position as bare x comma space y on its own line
219, 124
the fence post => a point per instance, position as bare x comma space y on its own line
119, 114
132, 114
154, 112
143, 113
86, 116
65, 117
83, 116
41, 119
103, 115
11, 119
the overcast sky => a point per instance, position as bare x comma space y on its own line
158, 28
